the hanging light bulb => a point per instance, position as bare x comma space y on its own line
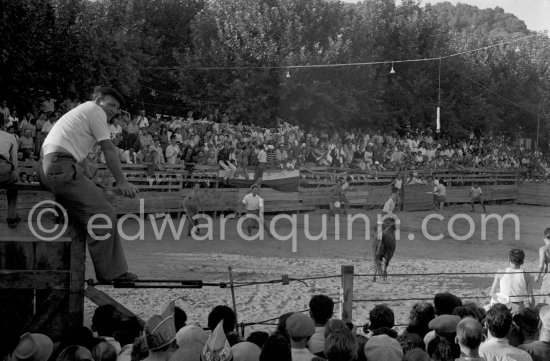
392, 71
288, 73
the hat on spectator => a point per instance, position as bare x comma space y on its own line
246, 351
383, 348
217, 347
544, 315
106, 90
416, 354
444, 323
160, 330
500, 298
33, 347
300, 326
191, 340
528, 320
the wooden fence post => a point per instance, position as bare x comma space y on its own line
346, 293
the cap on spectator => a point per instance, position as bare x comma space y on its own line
377, 163
383, 348
191, 340
217, 347
416, 354
528, 320
246, 351
444, 323
159, 332
33, 347
300, 326
544, 315
107, 90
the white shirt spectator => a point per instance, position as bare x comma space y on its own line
86, 124
253, 203
498, 349
172, 153
143, 122
115, 129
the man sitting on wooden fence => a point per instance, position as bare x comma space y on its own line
8, 172
62, 172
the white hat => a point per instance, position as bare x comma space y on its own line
337, 204
500, 298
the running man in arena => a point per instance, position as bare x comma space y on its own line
192, 207
62, 171
514, 283
252, 203
476, 196
544, 262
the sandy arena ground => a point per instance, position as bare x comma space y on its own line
258, 260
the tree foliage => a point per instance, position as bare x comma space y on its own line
67, 46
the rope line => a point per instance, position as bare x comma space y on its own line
431, 298
444, 274
269, 320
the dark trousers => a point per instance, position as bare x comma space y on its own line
259, 171
82, 199
190, 212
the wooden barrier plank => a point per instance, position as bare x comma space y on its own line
30, 279
101, 298
53, 255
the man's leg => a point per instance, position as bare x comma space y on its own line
232, 170
225, 168
190, 213
83, 199
472, 204
483, 205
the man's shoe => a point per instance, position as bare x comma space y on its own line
127, 277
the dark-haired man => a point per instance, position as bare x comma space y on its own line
496, 348
540, 349
321, 311
62, 171
514, 283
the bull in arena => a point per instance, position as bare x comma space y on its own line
383, 249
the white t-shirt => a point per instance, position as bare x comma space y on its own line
389, 206
79, 130
172, 152
262, 156
7, 141
253, 203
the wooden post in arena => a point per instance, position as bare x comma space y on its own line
233, 298
346, 293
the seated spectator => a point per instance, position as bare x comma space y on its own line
498, 323
258, 338
341, 346
191, 340
419, 317
127, 333
160, 334
281, 325
104, 351
75, 353
443, 346
382, 321
32, 346
26, 144
528, 324
276, 348
246, 351
540, 350
226, 314
469, 335
300, 328
383, 347
105, 321
172, 151
321, 310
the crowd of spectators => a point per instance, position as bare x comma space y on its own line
211, 137
445, 330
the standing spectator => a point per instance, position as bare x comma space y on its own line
476, 196
469, 335
4, 110
540, 350
321, 311
225, 163
142, 120
528, 324
160, 152
115, 128
262, 162
300, 328
514, 283
497, 348
133, 131
441, 194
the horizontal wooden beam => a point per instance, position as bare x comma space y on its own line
42, 280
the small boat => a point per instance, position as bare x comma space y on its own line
278, 179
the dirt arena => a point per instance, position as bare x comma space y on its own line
259, 260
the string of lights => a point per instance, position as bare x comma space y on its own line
511, 41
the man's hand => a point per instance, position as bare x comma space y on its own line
128, 189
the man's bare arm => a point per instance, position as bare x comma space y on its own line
113, 162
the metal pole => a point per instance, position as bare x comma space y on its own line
538, 129
233, 298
